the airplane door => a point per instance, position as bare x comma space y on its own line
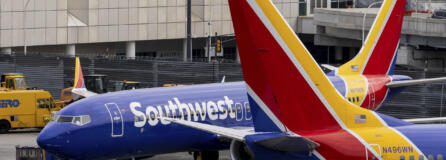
372, 100
117, 125
238, 112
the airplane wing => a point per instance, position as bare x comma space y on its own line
330, 67
414, 82
79, 83
426, 120
276, 141
222, 131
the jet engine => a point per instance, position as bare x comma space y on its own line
240, 151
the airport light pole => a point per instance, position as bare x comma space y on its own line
24, 27
189, 30
363, 19
209, 34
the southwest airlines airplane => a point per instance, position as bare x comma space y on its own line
127, 123
297, 112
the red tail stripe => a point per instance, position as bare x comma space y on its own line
382, 56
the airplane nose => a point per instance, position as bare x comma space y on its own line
51, 140
44, 140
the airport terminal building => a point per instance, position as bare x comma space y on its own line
153, 28
157, 28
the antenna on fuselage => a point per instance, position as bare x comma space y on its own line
223, 79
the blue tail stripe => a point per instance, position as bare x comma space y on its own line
261, 121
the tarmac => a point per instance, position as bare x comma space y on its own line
27, 137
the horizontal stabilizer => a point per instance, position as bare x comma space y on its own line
414, 82
236, 134
426, 120
83, 92
288, 143
329, 67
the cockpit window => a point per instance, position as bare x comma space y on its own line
77, 120
65, 119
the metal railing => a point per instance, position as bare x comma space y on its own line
56, 73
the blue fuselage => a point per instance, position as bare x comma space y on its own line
126, 123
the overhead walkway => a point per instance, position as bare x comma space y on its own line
418, 29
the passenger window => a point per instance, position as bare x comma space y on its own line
47, 103
440, 157
11, 84
402, 158
357, 99
349, 99
41, 103
430, 157
52, 104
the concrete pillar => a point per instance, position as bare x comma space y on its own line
237, 55
70, 50
338, 53
6, 50
405, 56
130, 50
308, 7
352, 52
185, 50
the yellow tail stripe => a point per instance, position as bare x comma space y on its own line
76, 72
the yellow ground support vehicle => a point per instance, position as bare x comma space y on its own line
126, 85
176, 84
21, 107
13, 81
99, 83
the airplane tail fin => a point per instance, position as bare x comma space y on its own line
378, 53
266, 119
285, 84
78, 75
79, 87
